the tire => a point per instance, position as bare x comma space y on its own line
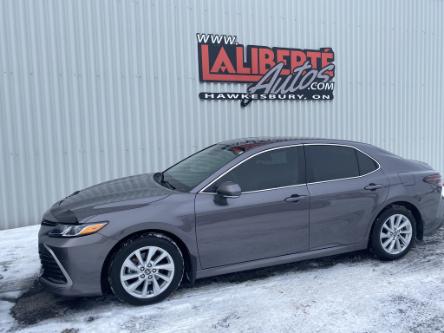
156, 281
395, 243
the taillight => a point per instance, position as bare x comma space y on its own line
434, 179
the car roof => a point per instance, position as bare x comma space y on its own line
256, 142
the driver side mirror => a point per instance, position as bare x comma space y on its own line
229, 189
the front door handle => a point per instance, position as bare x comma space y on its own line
294, 197
373, 186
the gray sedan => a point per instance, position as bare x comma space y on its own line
233, 206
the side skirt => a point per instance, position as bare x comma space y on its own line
289, 258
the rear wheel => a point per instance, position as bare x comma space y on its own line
146, 270
394, 233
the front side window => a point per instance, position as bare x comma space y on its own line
328, 162
271, 169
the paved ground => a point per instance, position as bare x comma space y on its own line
347, 293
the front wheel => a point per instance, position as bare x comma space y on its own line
146, 270
394, 233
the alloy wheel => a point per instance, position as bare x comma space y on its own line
147, 272
396, 234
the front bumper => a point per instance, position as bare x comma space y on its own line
73, 266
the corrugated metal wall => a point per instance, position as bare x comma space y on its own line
93, 90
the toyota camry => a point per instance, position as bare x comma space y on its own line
233, 206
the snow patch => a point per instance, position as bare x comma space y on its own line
346, 293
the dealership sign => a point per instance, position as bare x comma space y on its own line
272, 73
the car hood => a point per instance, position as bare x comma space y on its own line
118, 194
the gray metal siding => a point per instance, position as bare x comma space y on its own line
93, 90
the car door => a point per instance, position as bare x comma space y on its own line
268, 219
346, 188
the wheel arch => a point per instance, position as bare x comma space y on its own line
190, 260
412, 208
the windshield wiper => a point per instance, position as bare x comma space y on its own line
166, 182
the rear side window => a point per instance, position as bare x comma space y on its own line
366, 164
275, 168
330, 162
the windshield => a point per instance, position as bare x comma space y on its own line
191, 171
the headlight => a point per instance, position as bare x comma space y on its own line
73, 230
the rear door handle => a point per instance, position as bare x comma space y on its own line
295, 197
373, 186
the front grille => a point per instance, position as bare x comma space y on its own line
51, 270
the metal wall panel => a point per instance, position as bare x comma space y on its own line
93, 90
